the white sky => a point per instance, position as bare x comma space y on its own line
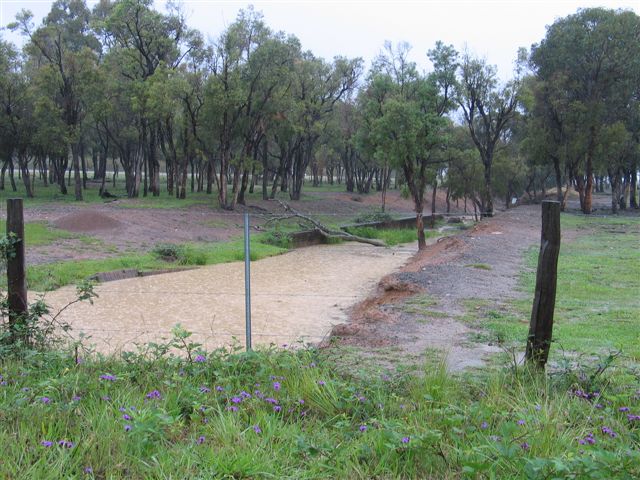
493, 29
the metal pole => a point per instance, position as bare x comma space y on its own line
247, 281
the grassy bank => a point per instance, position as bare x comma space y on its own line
288, 414
597, 304
54, 275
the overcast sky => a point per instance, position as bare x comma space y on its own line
493, 29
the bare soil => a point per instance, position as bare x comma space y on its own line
419, 309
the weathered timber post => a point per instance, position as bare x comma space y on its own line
16, 277
541, 326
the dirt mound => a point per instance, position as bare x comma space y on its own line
87, 221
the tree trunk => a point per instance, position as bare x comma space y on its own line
76, 171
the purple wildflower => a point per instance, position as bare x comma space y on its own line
276, 386
244, 394
122, 409
88, 470
200, 359
484, 425
108, 377
236, 399
154, 395
524, 446
599, 406
277, 408
25, 389
219, 389
623, 409
65, 444
127, 428
257, 429
363, 428
406, 439
46, 443
204, 389
633, 418
232, 408
321, 383
521, 422
301, 402
106, 398
126, 417
270, 400
538, 407
200, 440
45, 400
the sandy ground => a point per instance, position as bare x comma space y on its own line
297, 296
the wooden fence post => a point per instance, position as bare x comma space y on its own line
541, 326
16, 276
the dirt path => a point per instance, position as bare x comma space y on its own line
420, 308
296, 296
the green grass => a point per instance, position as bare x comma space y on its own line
391, 236
39, 233
167, 417
597, 302
54, 275
479, 266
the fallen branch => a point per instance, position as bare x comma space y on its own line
322, 229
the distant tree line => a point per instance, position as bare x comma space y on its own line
128, 89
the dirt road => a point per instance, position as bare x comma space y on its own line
296, 296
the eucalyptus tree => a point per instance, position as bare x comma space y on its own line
144, 40
65, 50
487, 109
591, 63
15, 117
406, 112
318, 86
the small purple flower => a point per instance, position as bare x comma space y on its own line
204, 389
363, 428
200, 359
521, 422
270, 400
65, 444
406, 439
200, 440
277, 408
3, 383
108, 377
25, 389
244, 394
623, 409
484, 425
46, 443
154, 395
122, 409
312, 364
88, 470
599, 406
582, 441
524, 446
106, 398
232, 408
236, 399
361, 399
257, 429
321, 383
45, 400
126, 417
633, 418
127, 428
301, 402
538, 407
276, 386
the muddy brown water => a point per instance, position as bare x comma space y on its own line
296, 297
